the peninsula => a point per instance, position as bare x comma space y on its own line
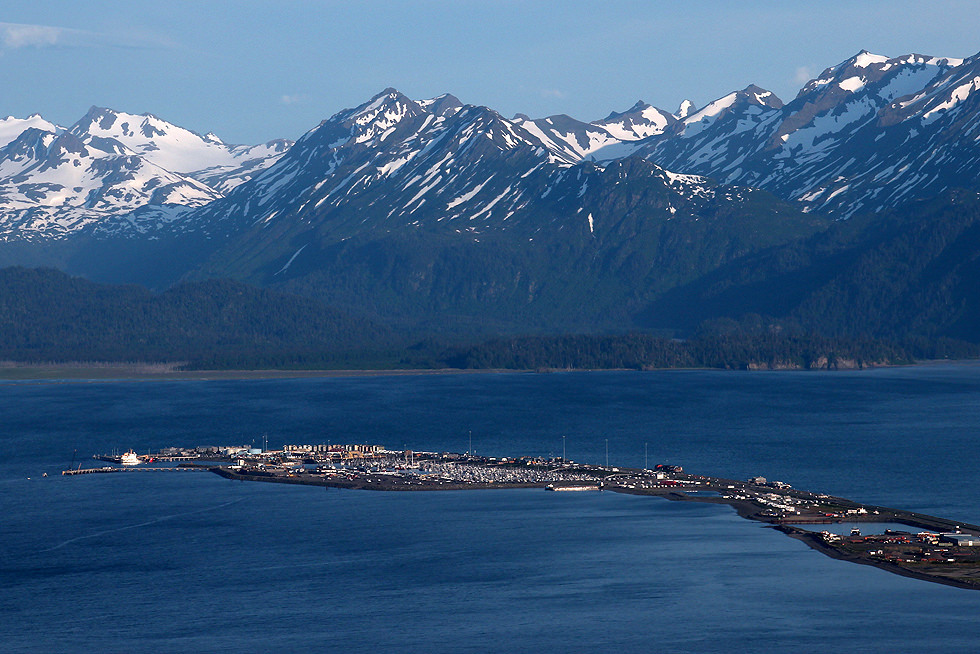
932, 549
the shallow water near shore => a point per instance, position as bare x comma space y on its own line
192, 562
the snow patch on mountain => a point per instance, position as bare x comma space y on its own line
166, 145
51, 184
11, 128
865, 59
955, 96
867, 133
685, 109
206, 158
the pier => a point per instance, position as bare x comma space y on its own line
107, 469
89, 471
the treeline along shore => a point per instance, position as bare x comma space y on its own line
47, 317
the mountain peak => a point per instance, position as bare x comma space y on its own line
389, 93
638, 122
864, 59
853, 72
636, 108
105, 119
685, 109
388, 98
758, 95
442, 105
33, 142
890, 78
11, 128
101, 116
737, 100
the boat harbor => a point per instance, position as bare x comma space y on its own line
933, 549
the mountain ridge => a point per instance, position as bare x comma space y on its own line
803, 151
440, 214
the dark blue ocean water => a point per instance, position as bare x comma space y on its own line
163, 562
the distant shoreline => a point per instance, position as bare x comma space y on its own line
135, 372
125, 372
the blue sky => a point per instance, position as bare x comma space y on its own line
254, 70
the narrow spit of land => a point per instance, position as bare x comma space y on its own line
933, 549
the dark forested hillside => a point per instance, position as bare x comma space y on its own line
603, 243
912, 272
834, 215
46, 315
740, 349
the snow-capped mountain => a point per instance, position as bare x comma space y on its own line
11, 128
611, 138
638, 122
852, 140
867, 134
918, 146
205, 158
433, 164
430, 158
391, 197
56, 184
415, 151
112, 171
436, 212
720, 135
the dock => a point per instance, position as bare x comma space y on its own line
89, 471
107, 469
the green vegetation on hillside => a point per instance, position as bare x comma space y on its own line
741, 351
907, 275
47, 316
600, 246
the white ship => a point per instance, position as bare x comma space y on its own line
129, 459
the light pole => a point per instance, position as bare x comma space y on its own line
563, 449
607, 452
646, 464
